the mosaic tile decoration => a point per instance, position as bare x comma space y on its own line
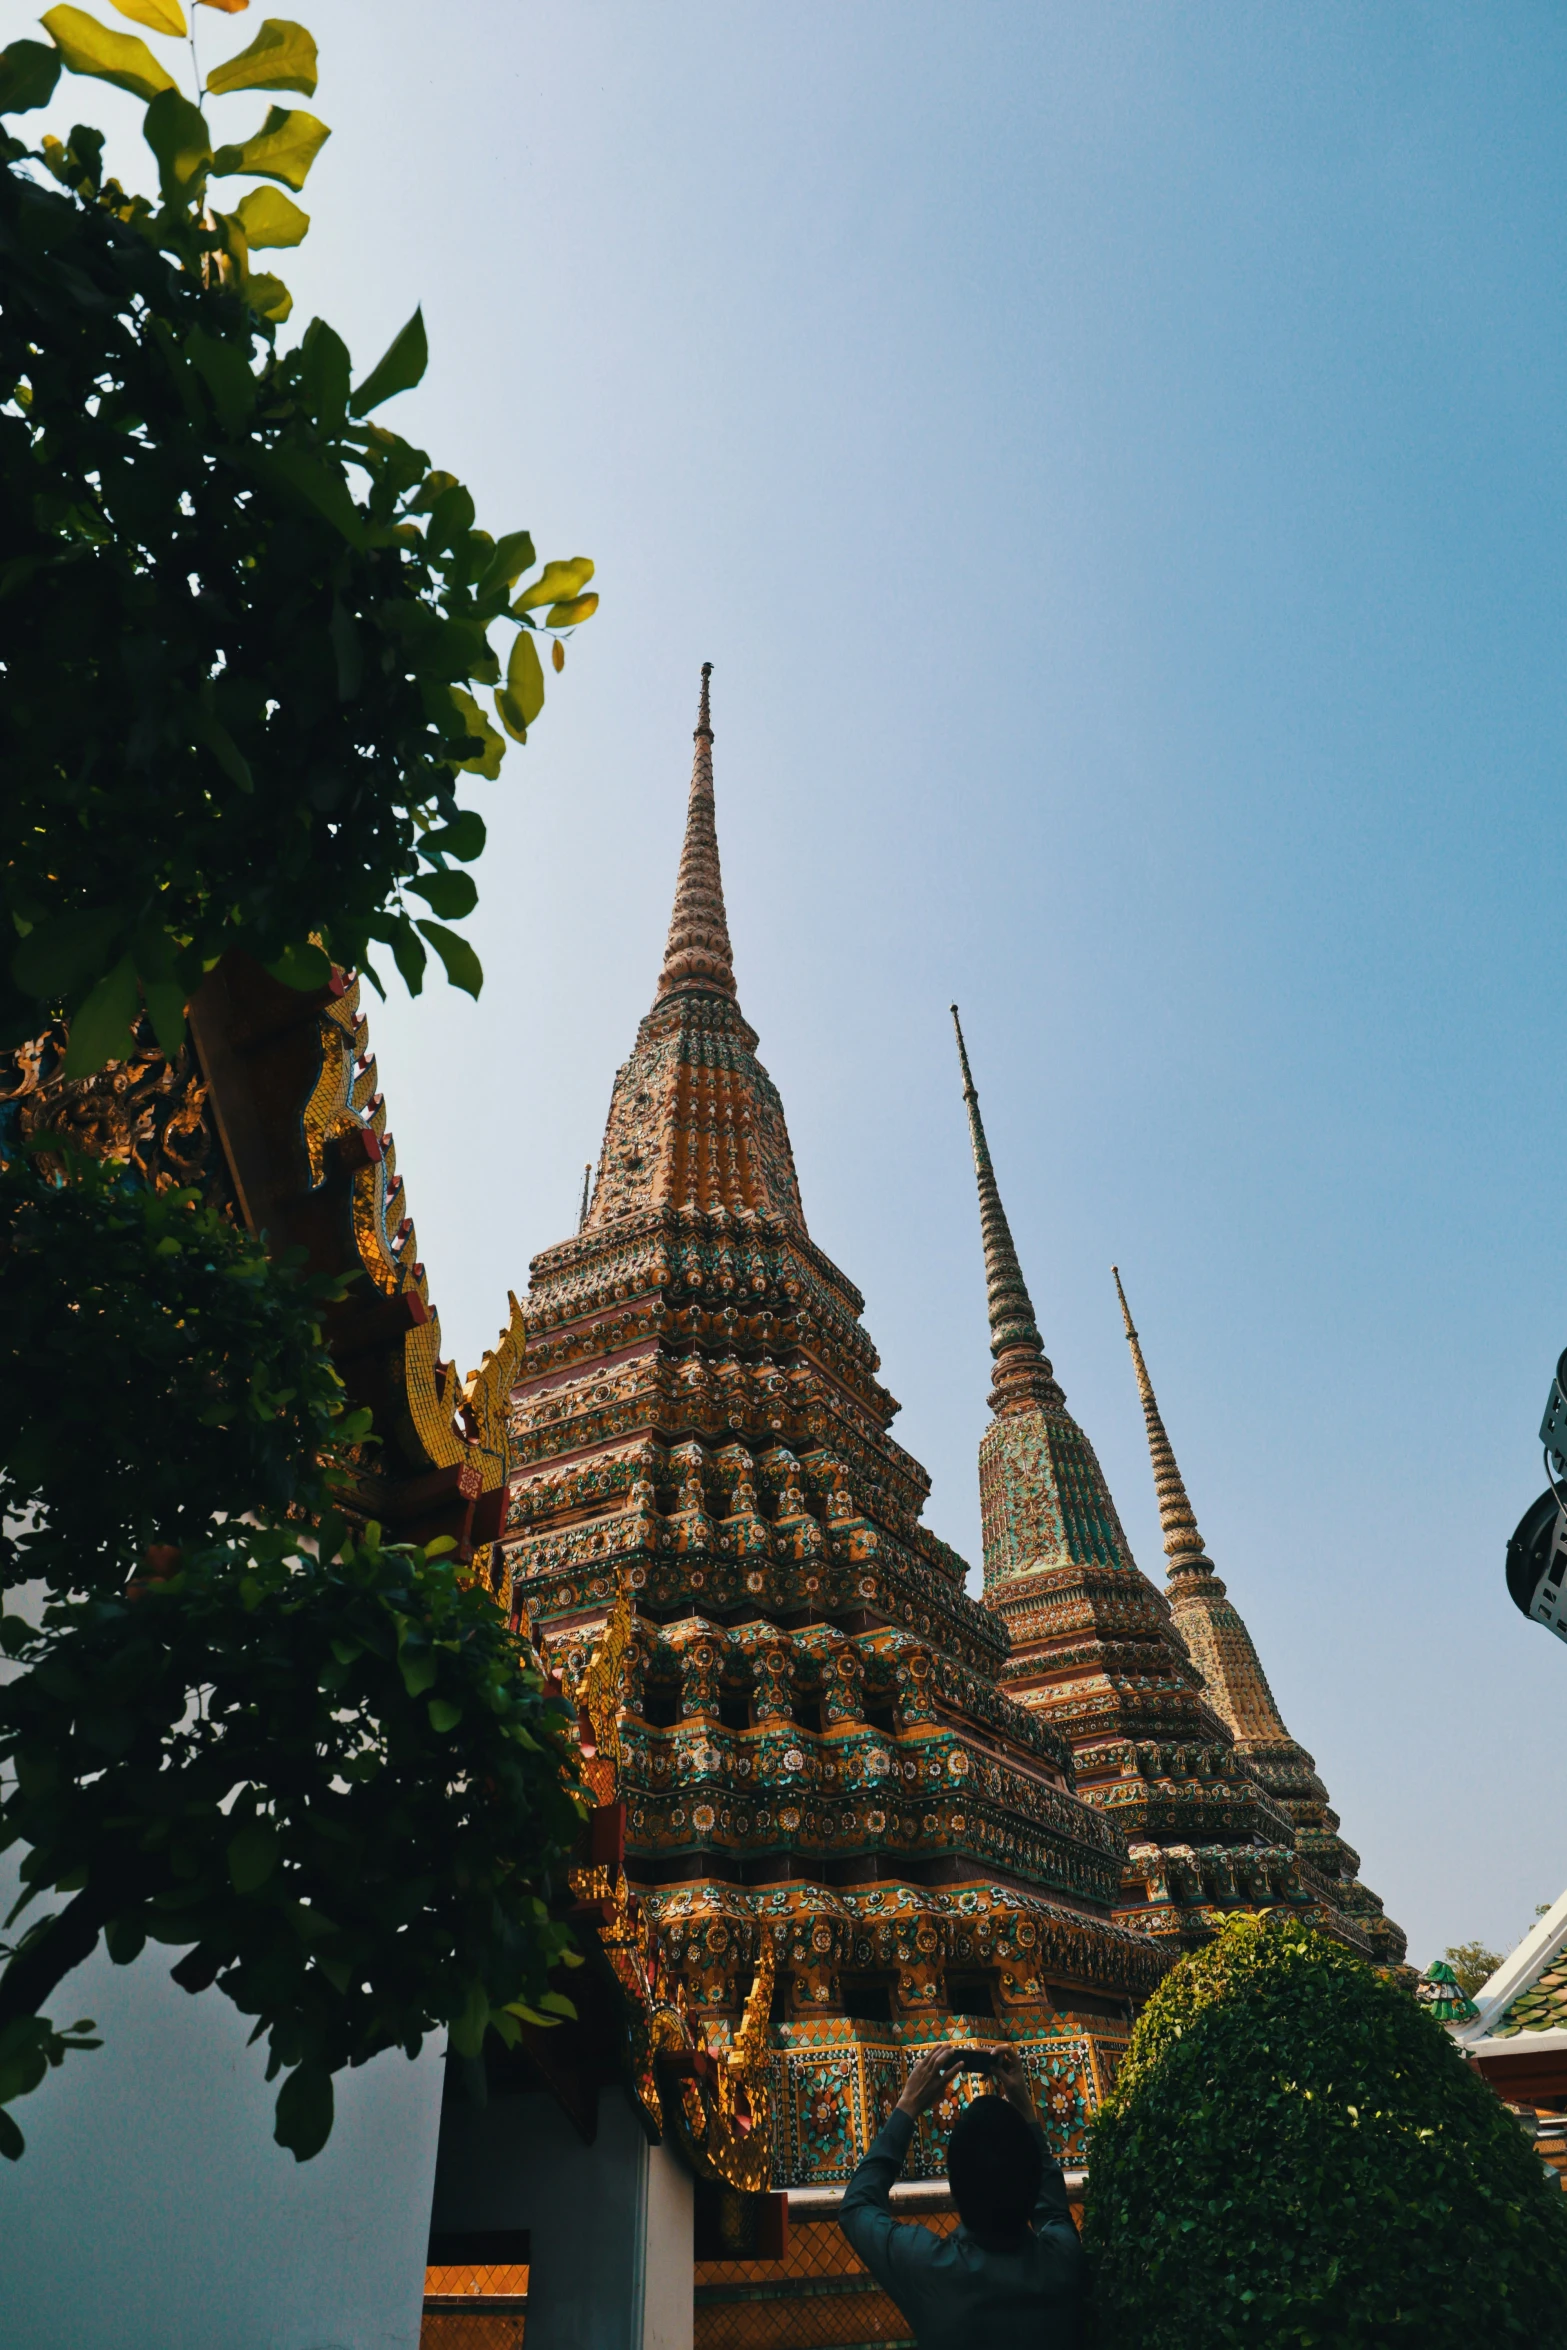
831, 2099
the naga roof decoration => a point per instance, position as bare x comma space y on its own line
1223, 1651
820, 1769
1096, 1650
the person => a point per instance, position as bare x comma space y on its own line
1012, 2273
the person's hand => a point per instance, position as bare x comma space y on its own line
929, 2077
1012, 2081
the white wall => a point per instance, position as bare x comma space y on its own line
153, 2211
610, 2223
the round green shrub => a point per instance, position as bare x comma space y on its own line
1295, 2154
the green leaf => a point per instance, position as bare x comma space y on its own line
268, 296
89, 47
558, 2004
58, 959
556, 582
304, 2112
28, 73
463, 967
397, 370
513, 554
101, 1029
443, 1715
12, 2144
269, 218
153, 952
467, 2028
252, 1856
572, 614
178, 136
418, 1670
159, 16
320, 485
281, 57
463, 838
165, 1001
325, 369
284, 148
225, 370
125, 1940
510, 716
407, 953
525, 677
486, 762
451, 895
303, 965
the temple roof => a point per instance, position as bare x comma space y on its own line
1525, 1997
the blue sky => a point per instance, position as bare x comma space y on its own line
1114, 459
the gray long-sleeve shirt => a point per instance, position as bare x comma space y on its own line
956, 2292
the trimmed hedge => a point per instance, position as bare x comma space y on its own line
1295, 2154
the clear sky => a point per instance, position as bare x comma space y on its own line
1114, 457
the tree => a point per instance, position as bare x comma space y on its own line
238, 683
1294, 2153
241, 626
1472, 1964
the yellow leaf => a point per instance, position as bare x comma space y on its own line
525, 677
89, 47
556, 581
281, 57
284, 148
488, 761
558, 656
568, 615
268, 217
268, 296
161, 16
517, 727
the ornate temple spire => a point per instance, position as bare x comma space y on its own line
695, 1122
1022, 1369
698, 953
1183, 1545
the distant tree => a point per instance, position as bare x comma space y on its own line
1294, 2153
1473, 1964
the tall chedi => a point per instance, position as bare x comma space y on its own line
1222, 1650
812, 1746
1095, 1651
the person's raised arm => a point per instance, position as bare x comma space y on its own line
864, 2215
1051, 2207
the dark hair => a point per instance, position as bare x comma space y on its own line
995, 2166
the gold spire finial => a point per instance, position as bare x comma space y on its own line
1022, 1366
698, 953
1183, 1545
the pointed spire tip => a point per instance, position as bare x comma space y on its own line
1183, 1544
698, 953
1013, 1332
